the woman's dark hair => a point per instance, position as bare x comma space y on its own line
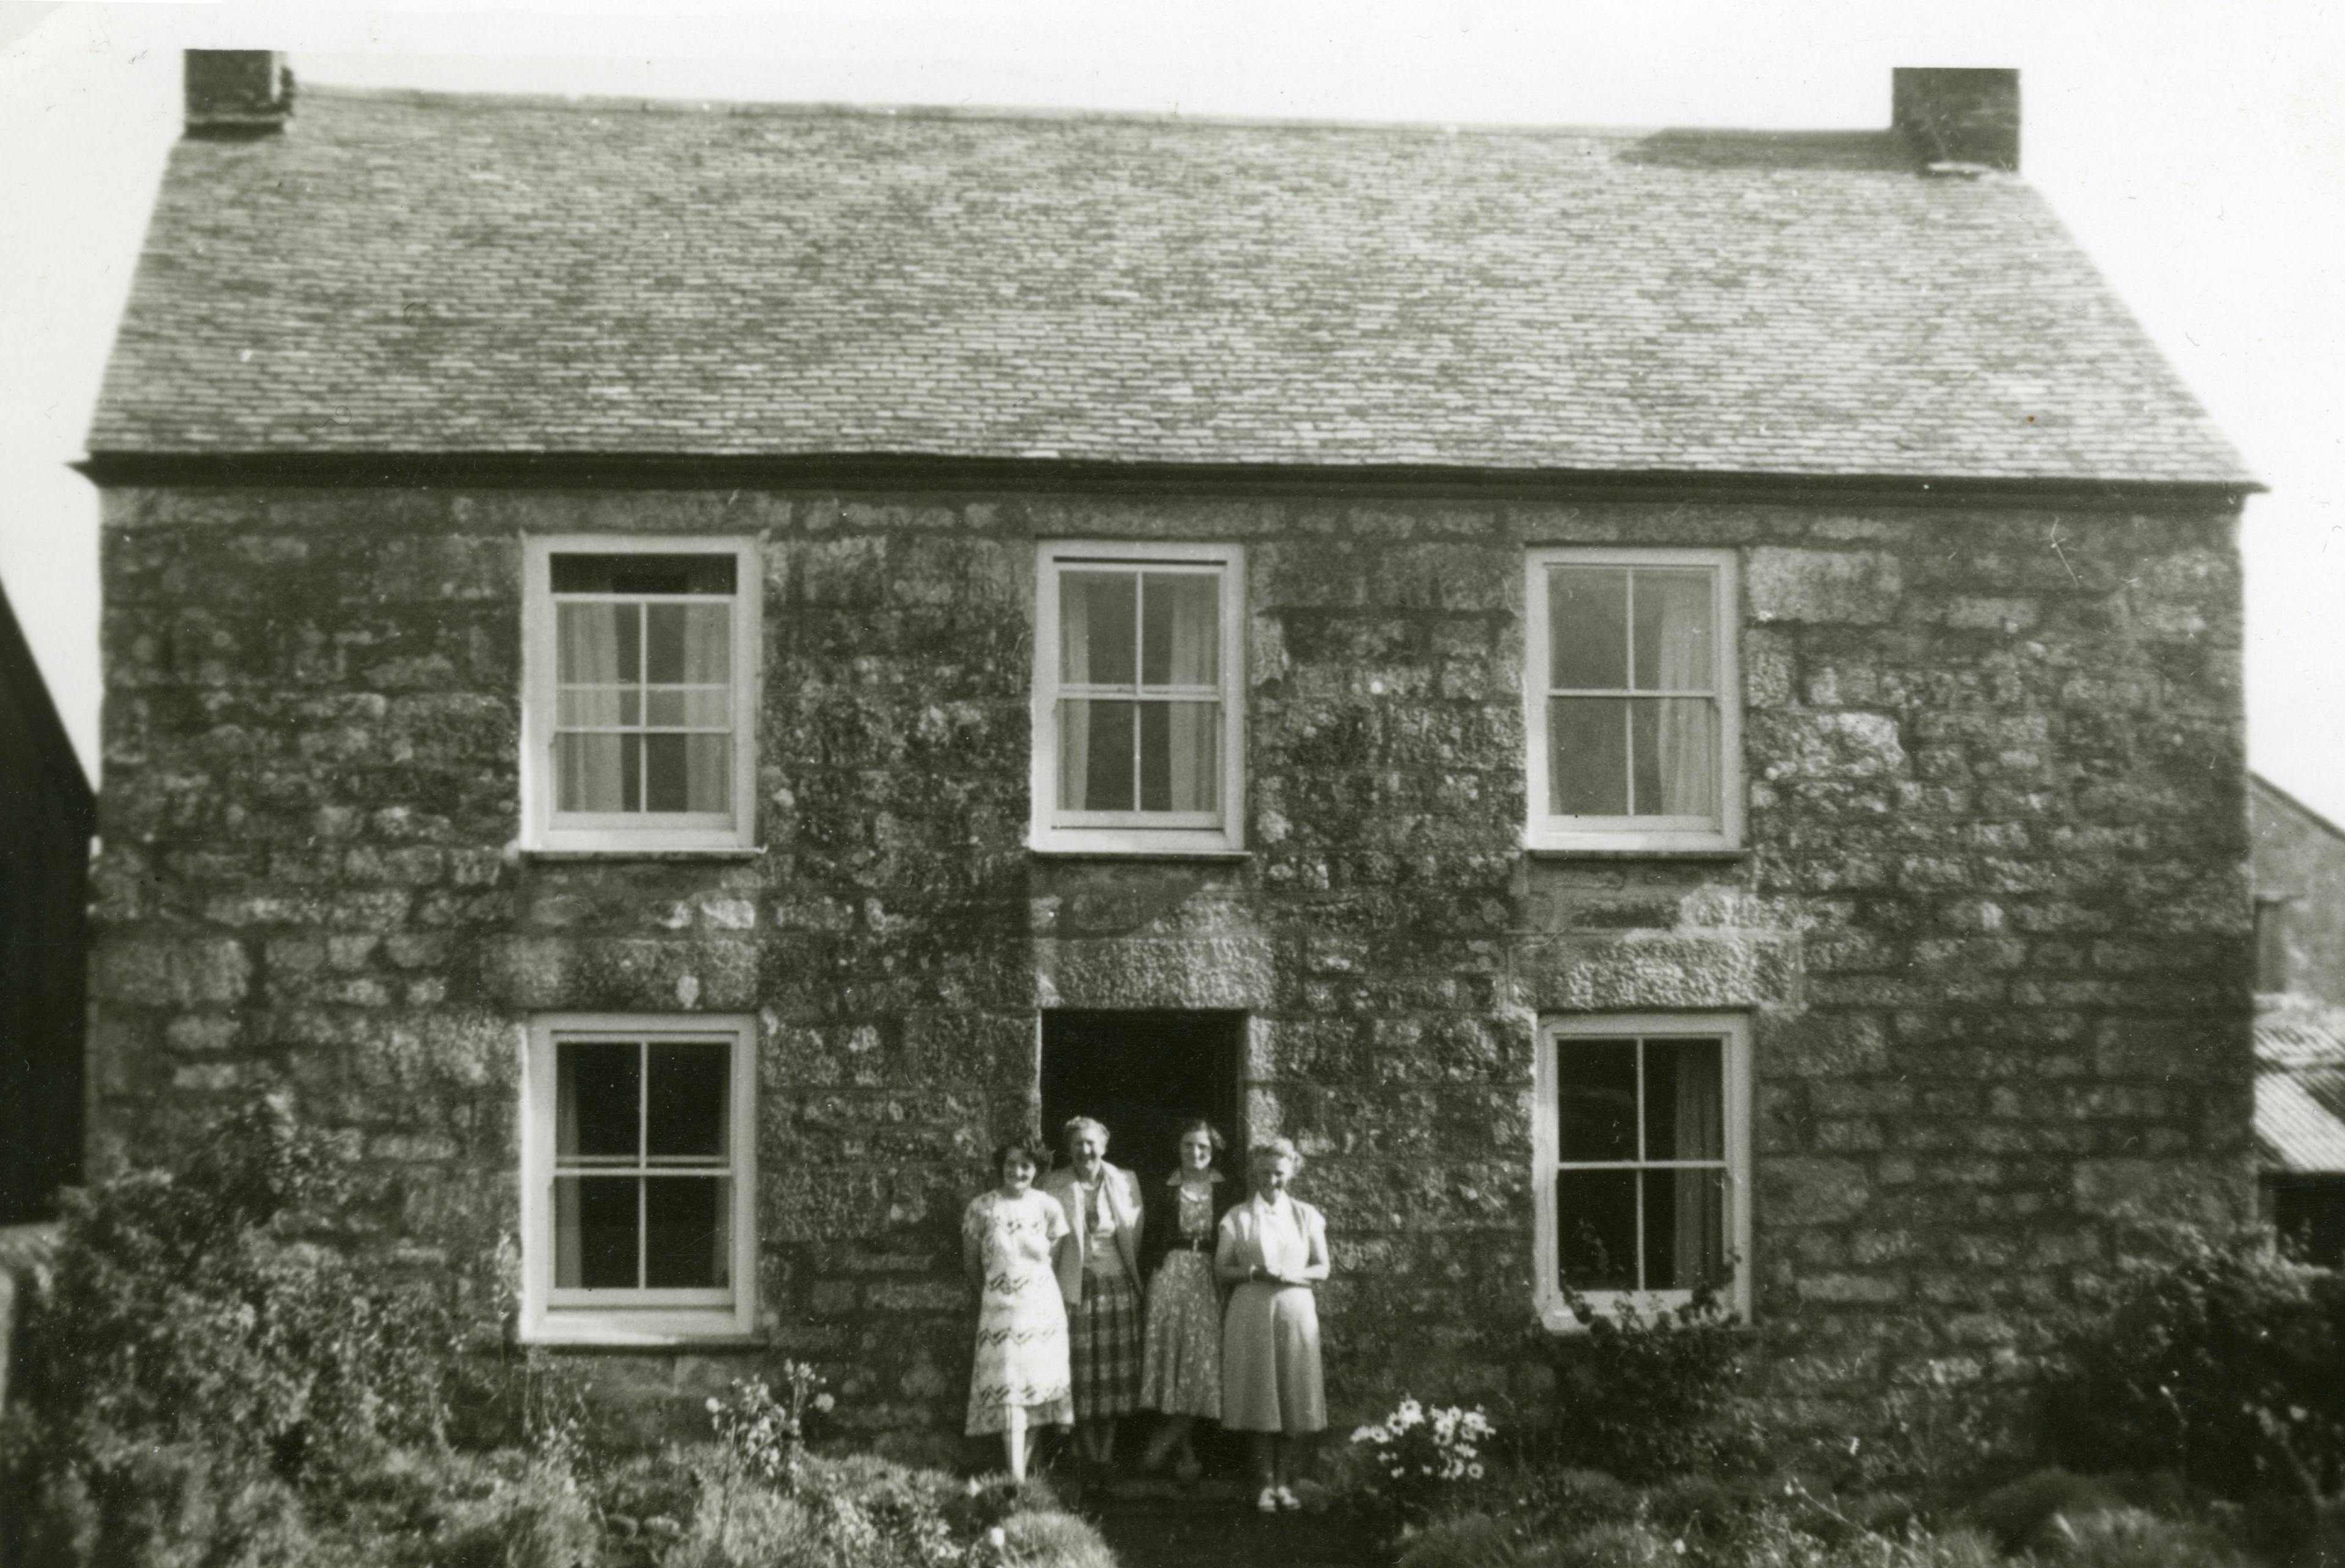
1030, 1144
1199, 1123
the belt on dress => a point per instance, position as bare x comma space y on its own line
1193, 1244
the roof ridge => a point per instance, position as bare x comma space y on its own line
785, 108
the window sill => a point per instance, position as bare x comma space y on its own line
1220, 856
1557, 851
622, 851
648, 1344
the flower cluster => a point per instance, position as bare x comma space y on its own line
763, 1436
1419, 1451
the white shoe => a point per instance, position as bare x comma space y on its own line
1268, 1501
1286, 1498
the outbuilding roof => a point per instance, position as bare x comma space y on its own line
2300, 1098
411, 273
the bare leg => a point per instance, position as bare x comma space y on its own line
1173, 1434
1014, 1441
1262, 1448
1106, 1440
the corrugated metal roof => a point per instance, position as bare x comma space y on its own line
2300, 1098
443, 274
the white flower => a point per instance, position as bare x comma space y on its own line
1474, 1470
713, 1406
996, 1538
824, 1401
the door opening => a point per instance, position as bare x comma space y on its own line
1144, 1074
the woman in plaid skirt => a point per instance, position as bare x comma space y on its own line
1099, 1275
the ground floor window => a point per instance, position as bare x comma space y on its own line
1642, 1157
638, 1188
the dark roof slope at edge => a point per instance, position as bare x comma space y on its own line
158, 327
29, 693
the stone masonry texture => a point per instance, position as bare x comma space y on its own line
1992, 929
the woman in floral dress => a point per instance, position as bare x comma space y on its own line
1181, 1370
1008, 1240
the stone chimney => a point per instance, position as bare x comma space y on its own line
237, 92
1968, 118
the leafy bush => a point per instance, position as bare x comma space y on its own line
1646, 1394
2215, 1359
194, 1354
2130, 1538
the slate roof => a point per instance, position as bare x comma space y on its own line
2300, 1098
422, 273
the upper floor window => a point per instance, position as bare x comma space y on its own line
641, 684
1138, 679
1642, 1160
638, 1178
1634, 706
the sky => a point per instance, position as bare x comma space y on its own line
2195, 148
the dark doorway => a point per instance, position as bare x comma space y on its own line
1142, 1074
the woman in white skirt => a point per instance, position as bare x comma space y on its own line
1274, 1249
1008, 1238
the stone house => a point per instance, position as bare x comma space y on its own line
1666, 703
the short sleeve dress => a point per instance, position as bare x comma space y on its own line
1021, 1320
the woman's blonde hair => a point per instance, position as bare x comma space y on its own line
1275, 1148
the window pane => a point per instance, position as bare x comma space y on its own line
1586, 628
689, 644
1673, 632
1596, 1228
1685, 1100
598, 706
596, 773
1596, 1100
596, 1098
1180, 756
1095, 741
697, 574
597, 644
687, 1229
687, 772
594, 1232
684, 1112
1674, 745
1685, 1229
1096, 615
1587, 756
699, 708
1180, 642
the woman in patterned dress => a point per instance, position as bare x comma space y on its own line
1181, 1368
1008, 1240
1274, 1249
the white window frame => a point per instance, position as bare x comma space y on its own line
1545, 830
1135, 832
544, 827
1555, 1035
633, 1317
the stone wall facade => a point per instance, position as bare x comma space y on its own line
2299, 874
1993, 927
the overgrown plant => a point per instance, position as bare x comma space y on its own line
197, 1347
2212, 1357
1646, 1391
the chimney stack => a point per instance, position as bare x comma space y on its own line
238, 93
1968, 118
